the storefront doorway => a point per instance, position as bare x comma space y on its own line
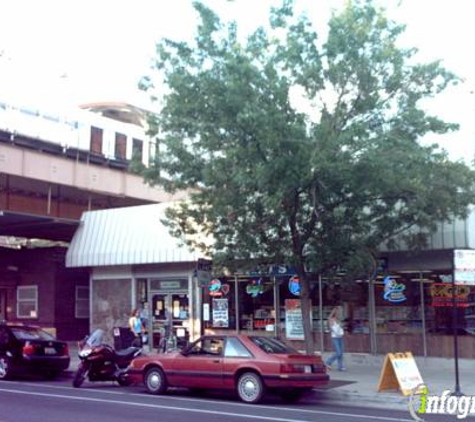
171, 313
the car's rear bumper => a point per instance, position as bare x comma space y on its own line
296, 380
43, 363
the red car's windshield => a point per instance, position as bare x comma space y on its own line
273, 345
27, 333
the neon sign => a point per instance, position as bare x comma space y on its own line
217, 289
256, 288
393, 291
445, 295
294, 285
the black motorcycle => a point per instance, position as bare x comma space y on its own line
101, 362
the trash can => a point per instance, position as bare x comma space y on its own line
123, 338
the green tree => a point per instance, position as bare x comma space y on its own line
315, 189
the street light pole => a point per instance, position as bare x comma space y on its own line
457, 391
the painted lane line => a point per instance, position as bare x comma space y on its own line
153, 406
314, 412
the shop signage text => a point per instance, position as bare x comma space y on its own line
442, 295
170, 285
293, 319
220, 313
273, 270
282, 270
157, 284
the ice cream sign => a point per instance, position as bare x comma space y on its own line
393, 291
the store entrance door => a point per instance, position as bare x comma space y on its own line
3, 305
171, 318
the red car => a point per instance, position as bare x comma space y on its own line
250, 365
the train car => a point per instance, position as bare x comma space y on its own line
104, 132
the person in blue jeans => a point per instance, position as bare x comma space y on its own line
337, 332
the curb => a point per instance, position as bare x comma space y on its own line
376, 400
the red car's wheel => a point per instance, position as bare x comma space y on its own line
155, 381
250, 387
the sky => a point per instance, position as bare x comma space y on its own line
64, 53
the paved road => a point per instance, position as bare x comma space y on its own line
35, 400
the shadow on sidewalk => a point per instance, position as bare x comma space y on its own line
336, 384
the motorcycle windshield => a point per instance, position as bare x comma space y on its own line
95, 339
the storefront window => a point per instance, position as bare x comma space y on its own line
290, 307
256, 301
352, 296
180, 306
438, 295
255, 297
219, 307
141, 290
398, 305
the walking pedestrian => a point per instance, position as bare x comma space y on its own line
337, 332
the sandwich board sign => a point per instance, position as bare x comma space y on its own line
400, 372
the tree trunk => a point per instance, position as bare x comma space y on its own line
306, 310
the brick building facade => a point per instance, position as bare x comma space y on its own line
37, 289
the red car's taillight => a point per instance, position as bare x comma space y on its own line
28, 349
65, 350
292, 368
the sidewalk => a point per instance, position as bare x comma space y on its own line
358, 385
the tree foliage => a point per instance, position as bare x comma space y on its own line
315, 188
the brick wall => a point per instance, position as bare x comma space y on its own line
44, 267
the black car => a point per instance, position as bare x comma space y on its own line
28, 349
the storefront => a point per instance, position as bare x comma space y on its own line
268, 302
134, 263
403, 308
408, 310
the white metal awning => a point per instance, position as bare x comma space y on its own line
126, 236
136, 235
